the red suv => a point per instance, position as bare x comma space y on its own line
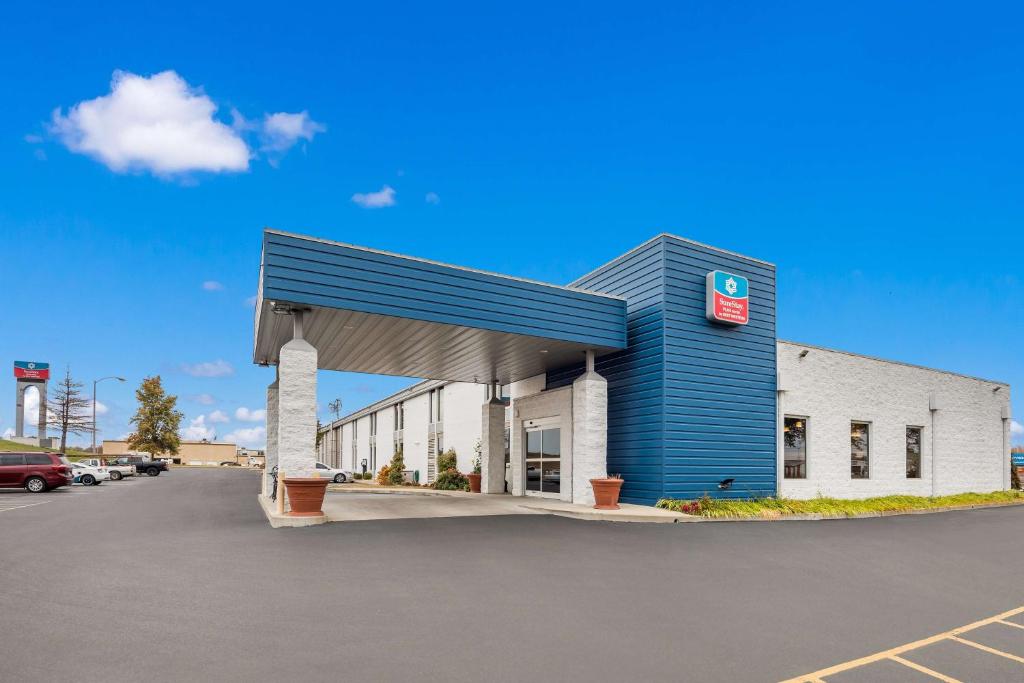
37, 472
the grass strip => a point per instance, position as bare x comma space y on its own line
835, 507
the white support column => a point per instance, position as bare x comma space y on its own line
296, 420
492, 444
270, 461
589, 432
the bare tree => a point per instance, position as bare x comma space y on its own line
69, 409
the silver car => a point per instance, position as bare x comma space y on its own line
338, 476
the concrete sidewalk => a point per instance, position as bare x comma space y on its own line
347, 503
360, 503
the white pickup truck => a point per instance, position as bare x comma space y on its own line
117, 472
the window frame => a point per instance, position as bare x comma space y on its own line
920, 450
867, 447
807, 438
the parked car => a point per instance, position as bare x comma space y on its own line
37, 472
117, 472
87, 475
338, 476
142, 465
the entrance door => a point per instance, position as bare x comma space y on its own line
543, 461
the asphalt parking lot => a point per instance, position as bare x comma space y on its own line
180, 578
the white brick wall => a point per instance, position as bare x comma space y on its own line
462, 420
833, 388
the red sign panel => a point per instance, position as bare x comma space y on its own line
31, 370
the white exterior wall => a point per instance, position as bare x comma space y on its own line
346, 448
417, 415
362, 432
386, 436
832, 388
462, 426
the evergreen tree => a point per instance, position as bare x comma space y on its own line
69, 409
156, 420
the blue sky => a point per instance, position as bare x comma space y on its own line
873, 152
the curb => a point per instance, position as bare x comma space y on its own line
279, 521
817, 517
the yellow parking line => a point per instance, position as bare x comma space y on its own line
986, 648
923, 669
887, 654
1009, 623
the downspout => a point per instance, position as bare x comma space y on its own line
933, 407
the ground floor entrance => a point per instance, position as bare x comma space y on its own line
543, 459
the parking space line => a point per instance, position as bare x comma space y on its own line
1009, 623
18, 507
924, 669
986, 648
889, 654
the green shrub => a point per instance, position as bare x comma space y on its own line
448, 461
396, 468
451, 480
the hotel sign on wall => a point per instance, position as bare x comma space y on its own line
728, 300
26, 369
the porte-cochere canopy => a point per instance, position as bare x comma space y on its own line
371, 311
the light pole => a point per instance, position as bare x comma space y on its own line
94, 383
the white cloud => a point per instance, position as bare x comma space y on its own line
282, 130
217, 368
251, 301
246, 415
9, 432
375, 200
159, 124
198, 430
212, 286
204, 399
250, 437
33, 139
101, 408
1016, 428
32, 412
432, 198
218, 416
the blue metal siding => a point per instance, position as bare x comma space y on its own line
689, 402
317, 273
720, 396
636, 375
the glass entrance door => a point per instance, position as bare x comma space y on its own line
543, 461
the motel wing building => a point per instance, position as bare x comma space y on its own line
663, 366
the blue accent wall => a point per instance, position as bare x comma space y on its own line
690, 402
303, 270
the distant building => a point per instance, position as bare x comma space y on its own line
189, 453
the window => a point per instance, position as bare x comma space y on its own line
795, 453
12, 459
399, 417
37, 459
859, 450
437, 404
355, 443
914, 452
321, 466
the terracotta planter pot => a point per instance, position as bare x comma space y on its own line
606, 493
306, 495
474, 482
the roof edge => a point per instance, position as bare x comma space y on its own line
663, 235
432, 262
894, 362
